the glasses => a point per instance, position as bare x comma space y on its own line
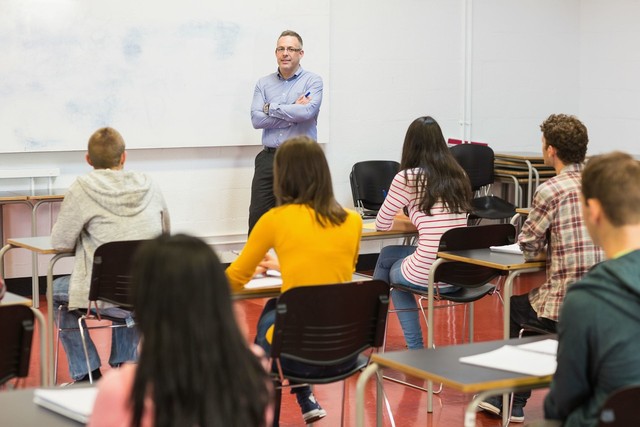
287, 49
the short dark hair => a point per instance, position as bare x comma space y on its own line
105, 147
291, 33
567, 135
301, 175
613, 180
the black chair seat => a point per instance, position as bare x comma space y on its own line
462, 295
465, 295
360, 364
536, 329
492, 207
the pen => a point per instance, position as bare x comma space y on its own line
307, 94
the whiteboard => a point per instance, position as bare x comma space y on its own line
164, 73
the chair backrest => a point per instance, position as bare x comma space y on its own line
16, 335
619, 410
477, 161
472, 237
329, 324
370, 181
111, 273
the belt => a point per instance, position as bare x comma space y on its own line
270, 149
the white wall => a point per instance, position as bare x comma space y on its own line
392, 62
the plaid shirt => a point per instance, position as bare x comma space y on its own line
555, 222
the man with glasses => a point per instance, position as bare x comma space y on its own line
285, 104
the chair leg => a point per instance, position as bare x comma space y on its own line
344, 394
395, 380
57, 352
84, 347
277, 402
379, 382
471, 314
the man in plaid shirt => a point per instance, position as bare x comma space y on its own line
555, 231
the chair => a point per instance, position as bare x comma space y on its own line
620, 408
328, 325
370, 180
473, 280
477, 161
16, 334
110, 282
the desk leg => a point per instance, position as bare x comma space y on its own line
3, 251
51, 324
360, 386
508, 290
43, 347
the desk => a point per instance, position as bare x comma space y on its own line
442, 365
7, 198
40, 246
512, 264
402, 228
13, 299
33, 199
17, 409
523, 168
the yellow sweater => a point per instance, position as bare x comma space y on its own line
309, 254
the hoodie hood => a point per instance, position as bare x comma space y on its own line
120, 192
615, 283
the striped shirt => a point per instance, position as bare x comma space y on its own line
555, 223
402, 192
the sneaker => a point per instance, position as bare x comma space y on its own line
517, 414
311, 409
493, 405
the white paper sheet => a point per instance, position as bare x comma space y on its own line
510, 249
515, 359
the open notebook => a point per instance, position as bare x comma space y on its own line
75, 403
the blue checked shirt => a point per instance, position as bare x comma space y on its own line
286, 119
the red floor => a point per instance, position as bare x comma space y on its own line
409, 406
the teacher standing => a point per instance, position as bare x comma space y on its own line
285, 104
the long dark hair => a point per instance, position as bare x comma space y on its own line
301, 175
438, 175
194, 363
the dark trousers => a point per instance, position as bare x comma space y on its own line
522, 312
262, 197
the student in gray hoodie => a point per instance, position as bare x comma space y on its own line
599, 325
107, 204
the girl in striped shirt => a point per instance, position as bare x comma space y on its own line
436, 193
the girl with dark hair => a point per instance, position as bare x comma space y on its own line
315, 239
434, 189
195, 366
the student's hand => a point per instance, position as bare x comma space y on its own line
269, 262
541, 256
